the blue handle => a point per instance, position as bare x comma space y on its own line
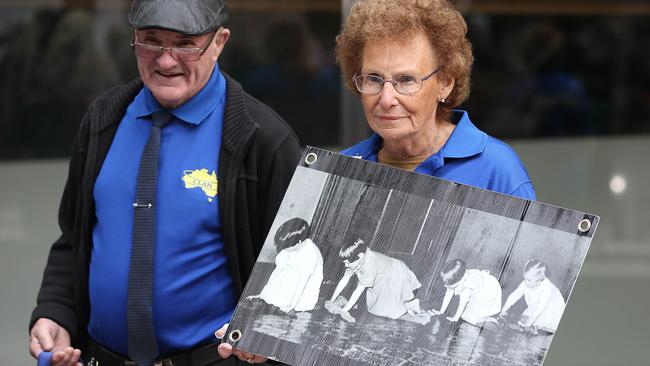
44, 359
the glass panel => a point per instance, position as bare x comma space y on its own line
286, 60
547, 75
542, 69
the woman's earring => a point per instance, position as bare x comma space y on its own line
442, 100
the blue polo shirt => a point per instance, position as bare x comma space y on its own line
192, 289
469, 157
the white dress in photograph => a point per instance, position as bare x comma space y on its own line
483, 294
295, 282
389, 284
545, 305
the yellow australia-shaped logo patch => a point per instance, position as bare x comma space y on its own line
200, 178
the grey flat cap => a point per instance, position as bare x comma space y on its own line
191, 17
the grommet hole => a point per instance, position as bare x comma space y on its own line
235, 335
311, 158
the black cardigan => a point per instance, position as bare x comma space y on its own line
258, 156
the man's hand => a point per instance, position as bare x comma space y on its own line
226, 350
46, 335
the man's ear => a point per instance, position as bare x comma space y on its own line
220, 40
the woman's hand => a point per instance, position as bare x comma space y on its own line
434, 312
226, 350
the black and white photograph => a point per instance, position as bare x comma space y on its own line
371, 265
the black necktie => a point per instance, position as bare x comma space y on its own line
143, 348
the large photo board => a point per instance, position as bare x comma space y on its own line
371, 265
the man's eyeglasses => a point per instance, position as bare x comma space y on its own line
186, 54
405, 84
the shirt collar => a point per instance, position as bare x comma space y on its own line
196, 109
466, 140
366, 149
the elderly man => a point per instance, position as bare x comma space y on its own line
174, 181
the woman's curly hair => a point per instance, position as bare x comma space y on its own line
398, 19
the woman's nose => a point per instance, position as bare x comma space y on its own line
388, 95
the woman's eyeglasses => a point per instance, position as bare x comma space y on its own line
405, 84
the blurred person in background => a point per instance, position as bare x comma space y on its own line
548, 101
293, 64
45, 73
410, 63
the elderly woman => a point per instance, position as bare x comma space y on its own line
410, 62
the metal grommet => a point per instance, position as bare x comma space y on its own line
584, 225
235, 335
311, 158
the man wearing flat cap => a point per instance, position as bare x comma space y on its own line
173, 183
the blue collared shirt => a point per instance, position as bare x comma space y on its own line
469, 157
192, 289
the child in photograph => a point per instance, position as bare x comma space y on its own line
479, 293
387, 281
295, 282
544, 302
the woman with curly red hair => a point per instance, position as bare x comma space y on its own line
410, 63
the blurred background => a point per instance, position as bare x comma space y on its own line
565, 82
